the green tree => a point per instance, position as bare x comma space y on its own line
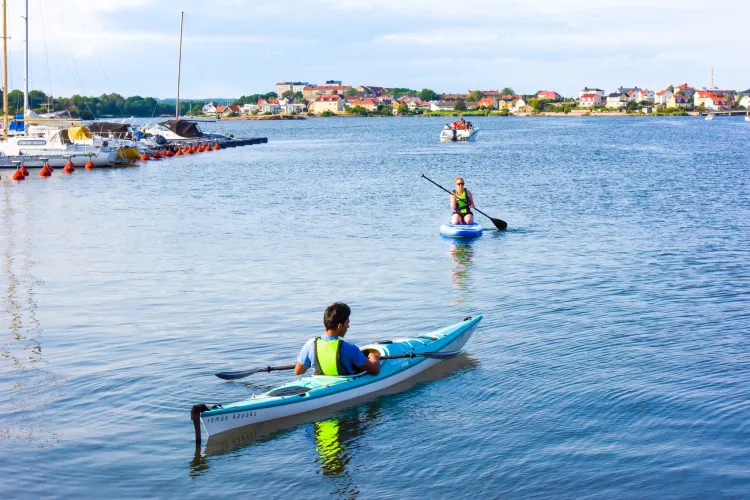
288, 94
507, 91
351, 92
428, 95
460, 104
402, 109
536, 105
475, 95
327, 113
299, 95
671, 88
402, 91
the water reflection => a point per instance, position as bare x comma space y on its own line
335, 431
21, 347
462, 253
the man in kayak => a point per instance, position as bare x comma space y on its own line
329, 354
461, 203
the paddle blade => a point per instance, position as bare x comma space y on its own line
238, 375
500, 224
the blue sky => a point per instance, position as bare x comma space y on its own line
235, 47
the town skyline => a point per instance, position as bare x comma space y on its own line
91, 48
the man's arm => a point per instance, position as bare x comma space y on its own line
300, 369
304, 360
372, 365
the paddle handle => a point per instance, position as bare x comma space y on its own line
438, 185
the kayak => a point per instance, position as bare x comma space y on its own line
461, 230
314, 392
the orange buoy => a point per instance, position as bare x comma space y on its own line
89, 164
24, 171
178, 153
48, 167
18, 175
189, 151
217, 147
69, 167
44, 172
144, 157
169, 153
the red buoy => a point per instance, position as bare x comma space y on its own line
144, 157
217, 147
89, 164
44, 172
178, 153
189, 151
69, 167
169, 153
18, 175
24, 171
48, 167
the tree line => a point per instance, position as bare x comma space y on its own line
104, 106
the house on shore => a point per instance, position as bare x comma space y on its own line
328, 102
209, 108
587, 90
247, 109
548, 95
312, 92
745, 100
662, 97
710, 100
487, 102
442, 106
590, 100
685, 89
295, 87
679, 101
644, 95
617, 100
227, 110
368, 104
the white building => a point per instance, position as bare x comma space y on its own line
209, 108
662, 97
295, 87
587, 90
442, 106
247, 109
617, 100
745, 101
589, 100
270, 107
645, 95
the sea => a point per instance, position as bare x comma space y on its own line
612, 361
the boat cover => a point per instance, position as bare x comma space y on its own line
183, 128
78, 134
16, 124
109, 128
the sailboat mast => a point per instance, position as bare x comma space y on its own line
26, 67
179, 62
5, 71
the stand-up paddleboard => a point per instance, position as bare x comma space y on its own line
461, 230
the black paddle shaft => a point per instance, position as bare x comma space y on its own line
499, 223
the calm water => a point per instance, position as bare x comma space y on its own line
613, 360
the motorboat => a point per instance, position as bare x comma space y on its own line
181, 131
450, 134
710, 116
52, 145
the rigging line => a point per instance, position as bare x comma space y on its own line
109, 85
46, 53
72, 55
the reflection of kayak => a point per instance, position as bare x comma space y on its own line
461, 230
312, 393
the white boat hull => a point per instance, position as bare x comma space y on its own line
460, 135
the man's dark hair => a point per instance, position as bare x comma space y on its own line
336, 314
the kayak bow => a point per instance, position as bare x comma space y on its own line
319, 391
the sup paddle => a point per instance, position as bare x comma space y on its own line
268, 369
500, 224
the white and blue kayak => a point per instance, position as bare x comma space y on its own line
450, 230
312, 393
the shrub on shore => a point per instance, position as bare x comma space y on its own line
327, 113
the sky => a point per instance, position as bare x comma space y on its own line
239, 47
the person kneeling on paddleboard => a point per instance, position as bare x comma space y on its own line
329, 354
461, 203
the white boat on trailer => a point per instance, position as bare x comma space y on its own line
315, 392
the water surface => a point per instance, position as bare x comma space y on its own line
612, 361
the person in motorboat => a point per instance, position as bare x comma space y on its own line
461, 203
462, 124
330, 354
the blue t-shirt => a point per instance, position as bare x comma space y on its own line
351, 357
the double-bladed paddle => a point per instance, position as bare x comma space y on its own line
268, 369
500, 224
